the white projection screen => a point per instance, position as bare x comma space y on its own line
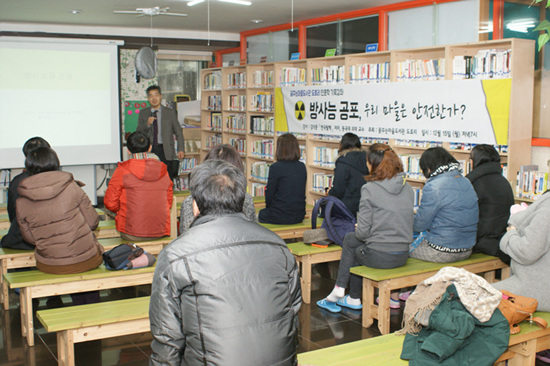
64, 90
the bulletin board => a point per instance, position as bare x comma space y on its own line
131, 114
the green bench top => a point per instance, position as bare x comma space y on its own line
306, 224
258, 199
4, 217
36, 277
3, 232
415, 266
106, 224
75, 317
183, 193
300, 249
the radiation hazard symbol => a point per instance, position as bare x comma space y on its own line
300, 110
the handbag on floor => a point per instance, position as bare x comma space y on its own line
517, 308
119, 257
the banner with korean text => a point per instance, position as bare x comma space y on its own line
463, 111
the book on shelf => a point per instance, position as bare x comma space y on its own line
214, 102
322, 181
257, 189
262, 102
213, 80
293, 76
215, 121
531, 183
213, 140
236, 123
260, 170
237, 102
263, 149
262, 125
262, 79
421, 70
325, 156
236, 80
328, 75
369, 73
239, 144
486, 64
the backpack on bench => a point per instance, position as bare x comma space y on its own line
338, 221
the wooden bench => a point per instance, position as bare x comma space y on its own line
386, 349
295, 231
3, 208
4, 221
13, 258
84, 323
36, 284
180, 196
411, 274
306, 256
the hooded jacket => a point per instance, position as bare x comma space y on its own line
495, 196
349, 176
55, 215
386, 214
227, 292
140, 192
13, 238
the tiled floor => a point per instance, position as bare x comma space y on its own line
318, 329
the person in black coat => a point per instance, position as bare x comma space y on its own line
495, 197
13, 239
285, 193
349, 172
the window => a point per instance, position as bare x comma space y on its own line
272, 46
179, 77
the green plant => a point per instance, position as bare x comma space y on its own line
543, 26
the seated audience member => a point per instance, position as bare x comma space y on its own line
13, 238
140, 193
448, 214
384, 228
229, 154
349, 172
57, 217
285, 193
228, 291
494, 198
527, 242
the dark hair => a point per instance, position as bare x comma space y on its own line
138, 142
41, 159
288, 148
433, 158
349, 141
153, 87
385, 163
218, 188
482, 154
33, 143
226, 153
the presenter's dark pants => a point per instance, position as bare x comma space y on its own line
172, 165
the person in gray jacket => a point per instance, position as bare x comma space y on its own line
384, 227
227, 292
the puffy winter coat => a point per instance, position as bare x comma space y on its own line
349, 176
227, 292
55, 215
495, 196
140, 192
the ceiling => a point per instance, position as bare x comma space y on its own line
226, 20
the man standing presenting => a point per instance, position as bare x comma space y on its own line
227, 292
161, 124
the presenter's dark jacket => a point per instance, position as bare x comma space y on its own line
140, 192
285, 194
170, 127
227, 292
56, 216
494, 196
13, 238
349, 176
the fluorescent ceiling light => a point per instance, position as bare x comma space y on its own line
194, 2
240, 2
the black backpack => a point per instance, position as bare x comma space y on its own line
338, 221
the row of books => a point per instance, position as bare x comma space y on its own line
328, 75
292, 76
486, 64
213, 140
263, 149
187, 164
322, 181
298, 135
369, 73
181, 183
325, 156
502, 149
236, 123
213, 80
215, 121
236, 80
239, 144
531, 183
261, 125
262, 102
262, 79
192, 146
237, 102
411, 166
421, 70
258, 189
214, 102
260, 170
417, 143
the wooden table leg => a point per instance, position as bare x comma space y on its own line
25, 300
306, 278
489, 276
505, 273
384, 294
368, 303
525, 353
5, 294
65, 348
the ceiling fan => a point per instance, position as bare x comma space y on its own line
157, 10
239, 2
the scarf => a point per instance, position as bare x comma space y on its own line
446, 168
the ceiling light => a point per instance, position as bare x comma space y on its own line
75, 11
194, 2
240, 2
257, 21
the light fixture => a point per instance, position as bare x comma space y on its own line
256, 21
75, 11
240, 2
194, 2
521, 25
